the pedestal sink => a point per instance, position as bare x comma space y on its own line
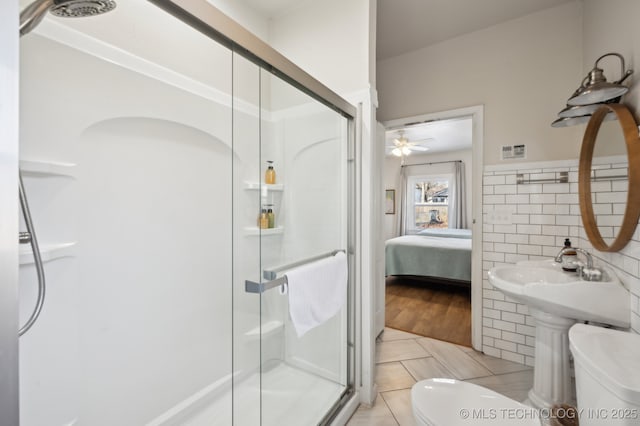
556, 300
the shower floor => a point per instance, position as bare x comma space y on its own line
290, 397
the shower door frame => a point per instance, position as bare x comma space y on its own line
203, 17
9, 86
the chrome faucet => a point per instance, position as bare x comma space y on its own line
587, 272
586, 254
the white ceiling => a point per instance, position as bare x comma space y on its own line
407, 25
273, 8
438, 136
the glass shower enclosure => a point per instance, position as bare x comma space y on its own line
167, 248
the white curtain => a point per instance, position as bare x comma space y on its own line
457, 204
402, 222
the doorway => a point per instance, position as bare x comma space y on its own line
399, 224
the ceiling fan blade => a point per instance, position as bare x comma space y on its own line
418, 148
401, 141
422, 140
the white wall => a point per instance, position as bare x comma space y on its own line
611, 27
245, 16
328, 39
114, 321
522, 71
392, 181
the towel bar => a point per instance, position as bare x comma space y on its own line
254, 287
560, 177
595, 177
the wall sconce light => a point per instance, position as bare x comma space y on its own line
593, 91
597, 89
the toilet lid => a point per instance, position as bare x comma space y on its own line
449, 402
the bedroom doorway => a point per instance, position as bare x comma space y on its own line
435, 291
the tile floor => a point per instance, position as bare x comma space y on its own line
405, 358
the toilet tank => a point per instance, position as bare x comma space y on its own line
607, 369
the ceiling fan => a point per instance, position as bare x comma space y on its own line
402, 147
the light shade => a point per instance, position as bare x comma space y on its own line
571, 121
578, 110
397, 152
597, 89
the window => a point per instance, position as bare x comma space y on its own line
428, 202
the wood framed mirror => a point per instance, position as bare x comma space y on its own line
631, 210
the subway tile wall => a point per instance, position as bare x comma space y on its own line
530, 222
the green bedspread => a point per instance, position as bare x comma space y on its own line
429, 256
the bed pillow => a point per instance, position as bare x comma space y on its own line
447, 233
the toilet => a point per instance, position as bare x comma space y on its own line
607, 365
607, 369
449, 402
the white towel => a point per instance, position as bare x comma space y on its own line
317, 291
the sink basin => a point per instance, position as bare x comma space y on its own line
557, 299
543, 285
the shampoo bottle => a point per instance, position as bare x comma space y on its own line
271, 217
263, 220
270, 174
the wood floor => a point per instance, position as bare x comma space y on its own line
440, 311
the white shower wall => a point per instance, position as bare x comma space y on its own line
142, 305
138, 316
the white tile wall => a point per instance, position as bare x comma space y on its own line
531, 221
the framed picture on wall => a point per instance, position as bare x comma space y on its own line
390, 201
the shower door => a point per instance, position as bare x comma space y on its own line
281, 378
144, 152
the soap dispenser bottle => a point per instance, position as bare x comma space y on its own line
569, 257
270, 174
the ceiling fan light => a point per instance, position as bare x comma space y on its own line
397, 152
405, 150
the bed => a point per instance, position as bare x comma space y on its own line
435, 253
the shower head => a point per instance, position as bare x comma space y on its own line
31, 16
81, 8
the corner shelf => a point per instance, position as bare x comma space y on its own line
48, 252
254, 230
265, 330
258, 186
47, 168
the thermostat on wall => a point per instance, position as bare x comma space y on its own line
512, 152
